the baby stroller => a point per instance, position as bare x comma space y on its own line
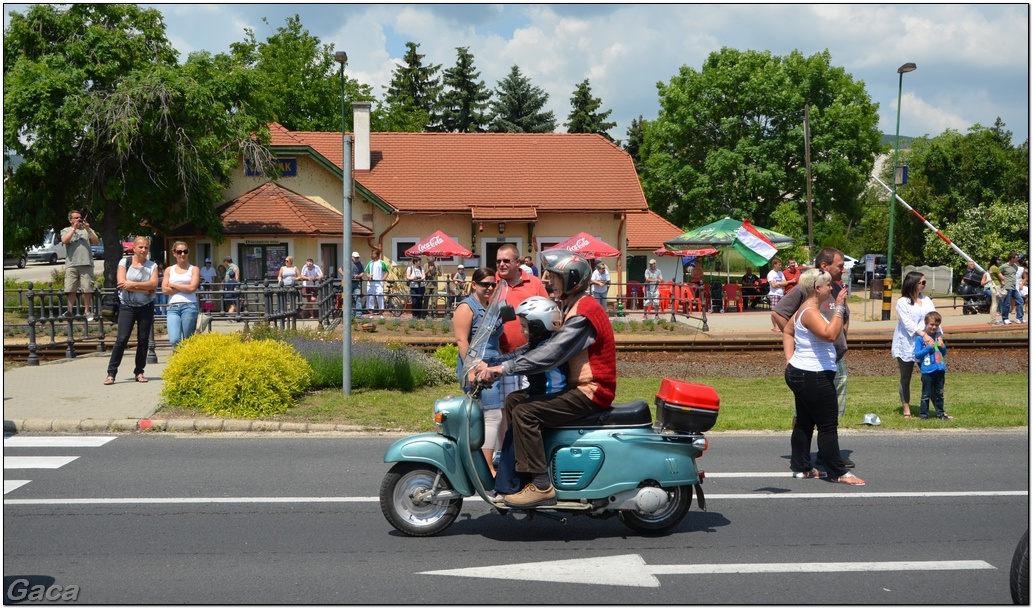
975, 299
716, 297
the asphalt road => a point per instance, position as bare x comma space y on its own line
271, 519
40, 272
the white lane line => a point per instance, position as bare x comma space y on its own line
36, 462
182, 500
10, 485
56, 441
824, 567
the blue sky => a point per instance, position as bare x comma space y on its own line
973, 59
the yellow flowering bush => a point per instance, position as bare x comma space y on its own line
226, 377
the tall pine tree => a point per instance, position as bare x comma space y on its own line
465, 99
636, 133
518, 106
585, 116
412, 96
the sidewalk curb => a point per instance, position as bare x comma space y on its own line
171, 425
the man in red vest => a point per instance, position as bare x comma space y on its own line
585, 343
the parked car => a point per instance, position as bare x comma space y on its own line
98, 250
860, 274
127, 244
19, 260
51, 251
848, 263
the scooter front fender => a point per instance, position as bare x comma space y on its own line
433, 449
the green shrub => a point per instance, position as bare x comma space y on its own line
619, 327
447, 354
225, 376
373, 365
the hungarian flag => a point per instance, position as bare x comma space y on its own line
753, 246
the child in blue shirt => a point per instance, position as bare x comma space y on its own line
932, 361
539, 318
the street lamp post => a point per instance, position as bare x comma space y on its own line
346, 242
887, 282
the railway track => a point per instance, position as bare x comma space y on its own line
19, 353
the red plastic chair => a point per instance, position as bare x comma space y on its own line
691, 301
733, 297
665, 295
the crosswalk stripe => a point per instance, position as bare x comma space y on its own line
36, 462
10, 485
56, 441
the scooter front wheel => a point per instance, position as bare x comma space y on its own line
406, 510
679, 500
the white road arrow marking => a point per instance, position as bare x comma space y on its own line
10, 485
36, 462
632, 570
56, 441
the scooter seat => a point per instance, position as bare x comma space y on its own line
632, 414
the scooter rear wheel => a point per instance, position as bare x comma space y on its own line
664, 520
407, 513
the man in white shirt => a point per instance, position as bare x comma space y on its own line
376, 271
653, 278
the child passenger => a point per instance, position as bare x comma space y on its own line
539, 318
932, 361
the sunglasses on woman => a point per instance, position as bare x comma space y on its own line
182, 251
486, 284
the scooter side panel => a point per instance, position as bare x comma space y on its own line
433, 449
629, 456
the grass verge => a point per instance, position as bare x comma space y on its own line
746, 404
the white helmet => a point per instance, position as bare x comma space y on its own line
542, 314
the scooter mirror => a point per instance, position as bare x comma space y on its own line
507, 313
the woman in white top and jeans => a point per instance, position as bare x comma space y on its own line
810, 373
912, 308
137, 282
180, 285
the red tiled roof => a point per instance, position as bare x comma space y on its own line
274, 209
504, 213
648, 231
434, 172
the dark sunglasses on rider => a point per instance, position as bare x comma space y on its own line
182, 251
486, 284
503, 260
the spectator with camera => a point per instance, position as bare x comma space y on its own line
78, 237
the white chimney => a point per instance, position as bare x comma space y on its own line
361, 130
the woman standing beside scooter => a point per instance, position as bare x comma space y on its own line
810, 370
465, 321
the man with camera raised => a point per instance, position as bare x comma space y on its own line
79, 261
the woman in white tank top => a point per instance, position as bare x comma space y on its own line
180, 284
810, 373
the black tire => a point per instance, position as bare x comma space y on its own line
53, 259
416, 519
22, 262
661, 522
1019, 580
395, 305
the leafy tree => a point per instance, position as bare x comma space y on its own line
973, 187
465, 99
729, 139
636, 133
585, 116
518, 106
412, 96
107, 121
299, 81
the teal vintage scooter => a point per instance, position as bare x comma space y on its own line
613, 463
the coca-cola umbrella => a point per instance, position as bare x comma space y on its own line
438, 245
588, 246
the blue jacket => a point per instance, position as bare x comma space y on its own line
930, 359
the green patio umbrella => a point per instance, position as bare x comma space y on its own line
720, 235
